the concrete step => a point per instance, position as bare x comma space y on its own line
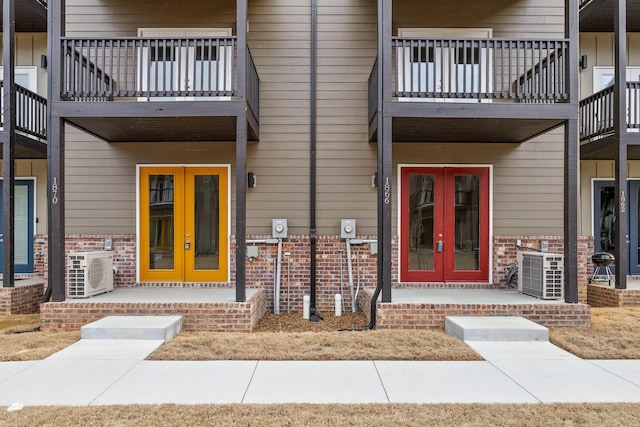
495, 328
133, 328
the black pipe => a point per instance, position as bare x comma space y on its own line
374, 300
313, 316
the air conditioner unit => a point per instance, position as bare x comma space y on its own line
541, 275
89, 273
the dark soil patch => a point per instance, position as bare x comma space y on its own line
293, 322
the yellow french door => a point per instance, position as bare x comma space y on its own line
183, 224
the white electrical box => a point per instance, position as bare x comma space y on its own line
279, 228
348, 228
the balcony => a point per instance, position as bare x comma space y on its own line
31, 16
597, 126
31, 124
465, 90
158, 89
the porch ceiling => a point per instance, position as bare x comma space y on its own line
157, 129
598, 15
605, 149
31, 17
29, 148
433, 129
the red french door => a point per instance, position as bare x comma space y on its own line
444, 224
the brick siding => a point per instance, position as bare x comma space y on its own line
331, 263
218, 316
431, 316
609, 296
23, 298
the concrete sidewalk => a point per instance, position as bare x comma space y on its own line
114, 372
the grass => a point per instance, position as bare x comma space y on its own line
20, 339
614, 334
299, 415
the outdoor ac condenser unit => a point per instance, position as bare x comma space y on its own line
89, 273
541, 275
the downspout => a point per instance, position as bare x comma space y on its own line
313, 316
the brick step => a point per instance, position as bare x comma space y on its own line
133, 328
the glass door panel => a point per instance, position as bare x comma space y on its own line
161, 222
161, 218
634, 227
23, 228
421, 222
206, 215
604, 216
467, 222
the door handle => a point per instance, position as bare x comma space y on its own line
187, 245
439, 247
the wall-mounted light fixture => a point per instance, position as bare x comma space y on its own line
43, 61
374, 180
252, 180
583, 62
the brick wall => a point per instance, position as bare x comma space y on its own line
218, 316
505, 252
331, 262
608, 296
431, 316
24, 298
124, 254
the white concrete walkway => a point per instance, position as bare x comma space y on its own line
114, 372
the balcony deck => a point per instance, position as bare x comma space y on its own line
474, 90
597, 15
31, 16
31, 119
150, 89
597, 127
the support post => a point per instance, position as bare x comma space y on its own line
8, 142
385, 136
571, 159
241, 156
620, 125
55, 157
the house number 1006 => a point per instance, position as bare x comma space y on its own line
387, 192
54, 191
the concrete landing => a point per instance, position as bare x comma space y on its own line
133, 328
495, 328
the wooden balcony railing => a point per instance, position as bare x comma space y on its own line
583, 3
31, 112
186, 67
481, 69
596, 112
373, 91
253, 86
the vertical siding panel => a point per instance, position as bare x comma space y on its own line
279, 39
588, 47
346, 161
